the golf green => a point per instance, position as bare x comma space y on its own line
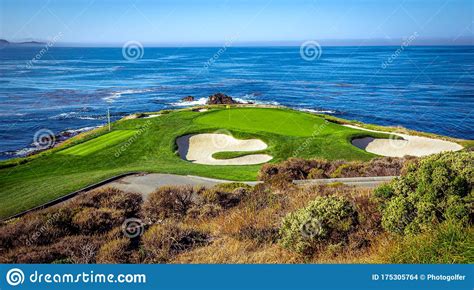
149, 145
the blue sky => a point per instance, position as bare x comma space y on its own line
215, 22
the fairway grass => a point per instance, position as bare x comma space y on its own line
99, 143
151, 147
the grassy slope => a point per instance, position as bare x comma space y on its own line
153, 149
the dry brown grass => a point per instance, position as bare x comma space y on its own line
230, 224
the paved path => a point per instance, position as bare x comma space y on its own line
368, 182
147, 183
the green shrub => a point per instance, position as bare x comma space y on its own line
326, 220
430, 191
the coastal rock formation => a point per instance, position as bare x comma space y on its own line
220, 98
188, 99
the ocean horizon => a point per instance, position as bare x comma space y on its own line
70, 89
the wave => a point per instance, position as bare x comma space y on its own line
252, 99
77, 115
115, 95
198, 102
317, 111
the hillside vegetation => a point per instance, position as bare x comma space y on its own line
424, 216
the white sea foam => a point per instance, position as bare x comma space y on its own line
115, 95
76, 115
198, 102
317, 111
246, 99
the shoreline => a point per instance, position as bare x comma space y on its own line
465, 143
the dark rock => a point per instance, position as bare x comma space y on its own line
188, 99
219, 98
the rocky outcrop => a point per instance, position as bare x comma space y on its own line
219, 99
188, 99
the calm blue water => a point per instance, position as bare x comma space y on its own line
424, 88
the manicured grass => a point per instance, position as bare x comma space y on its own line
99, 143
149, 145
271, 120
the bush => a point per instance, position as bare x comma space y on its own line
30, 255
39, 228
325, 221
205, 211
79, 249
295, 168
224, 198
169, 201
162, 241
114, 252
111, 197
97, 221
430, 191
351, 169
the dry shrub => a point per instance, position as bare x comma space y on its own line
96, 221
227, 250
129, 203
205, 211
369, 227
224, 198
114, 252
163, 241
30, 255
79, 249
110, 197
73, 249
38, 228
350, 169
297, 169
246, 224
169, 201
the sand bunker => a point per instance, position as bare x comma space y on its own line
410, 145
199, 149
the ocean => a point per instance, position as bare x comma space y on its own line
63, 89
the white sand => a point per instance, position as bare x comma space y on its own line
199, 149
410, 145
